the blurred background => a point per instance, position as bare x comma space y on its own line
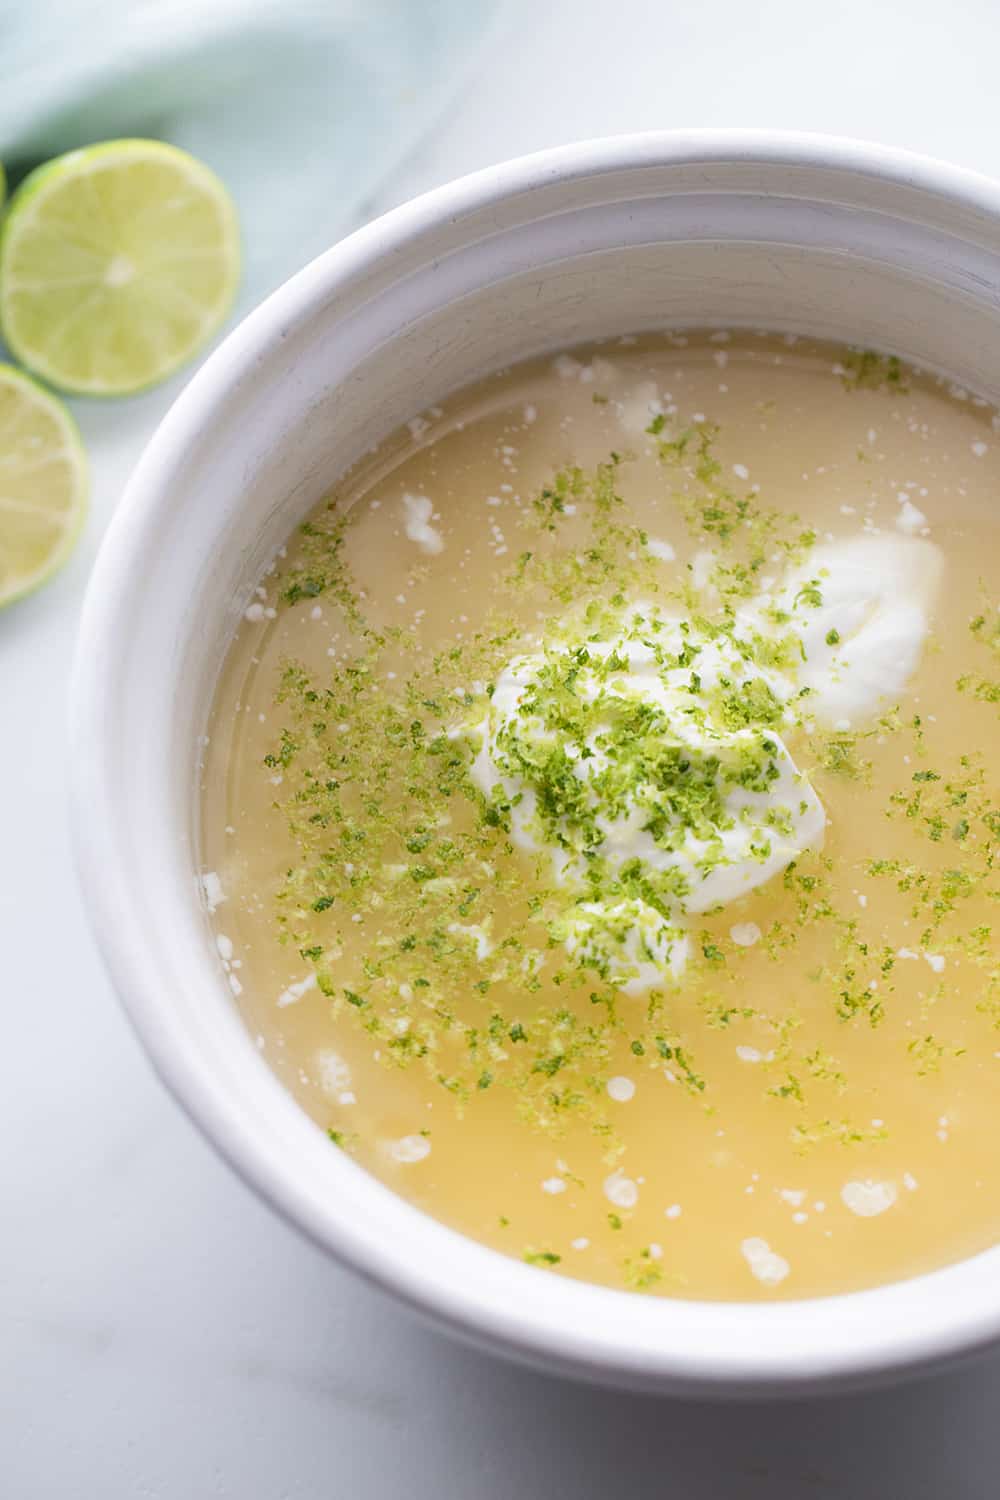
161, 1334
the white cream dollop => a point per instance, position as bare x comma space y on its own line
716, 868
630, 759
863, 643
753, 811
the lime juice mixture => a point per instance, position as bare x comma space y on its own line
600, 812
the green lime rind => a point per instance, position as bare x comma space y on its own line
44, 484
118, 262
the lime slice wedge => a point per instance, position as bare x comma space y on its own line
117, 263
43, 484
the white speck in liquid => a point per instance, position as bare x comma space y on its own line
621, 1089
660, 549
621, 1190
752, 1054
765, 1264
909, 519
868, 1198
296, 991
410, 1148
419, 509
334, 1072
211, 887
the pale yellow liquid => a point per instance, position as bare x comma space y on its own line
758, 1150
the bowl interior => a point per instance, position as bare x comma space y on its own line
830, 241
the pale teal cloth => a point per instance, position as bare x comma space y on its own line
302, 106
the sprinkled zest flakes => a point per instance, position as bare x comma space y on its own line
574, 855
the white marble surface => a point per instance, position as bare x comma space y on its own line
161, 1334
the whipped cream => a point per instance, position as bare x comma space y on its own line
863, 642
652, 766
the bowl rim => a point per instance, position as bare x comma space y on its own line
761, 1358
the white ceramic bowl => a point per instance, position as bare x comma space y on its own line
724, 228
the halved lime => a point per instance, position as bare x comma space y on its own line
43, 484
117, 262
